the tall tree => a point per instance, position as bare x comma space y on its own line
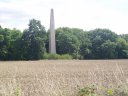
14, 35
33, 41
124, 36
122, 48
7, 39
108, 50
67, 42
98, 37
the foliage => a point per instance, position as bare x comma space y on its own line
110, 92
79, 44
67, 43
7, 40
124, 36
122, 48
108, 48
121, 90
32, 42
87, 91
17, 91
56, 56
102, 41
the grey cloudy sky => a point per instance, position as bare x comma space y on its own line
85, 14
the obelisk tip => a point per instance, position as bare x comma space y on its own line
51, 9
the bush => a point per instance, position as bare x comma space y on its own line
56, 56
87, 91
121, 90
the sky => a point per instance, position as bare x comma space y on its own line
84, 14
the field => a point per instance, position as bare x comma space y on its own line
59, 77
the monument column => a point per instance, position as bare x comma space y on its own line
52, 43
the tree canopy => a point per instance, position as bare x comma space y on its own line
32, 43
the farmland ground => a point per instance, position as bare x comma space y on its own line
59, 77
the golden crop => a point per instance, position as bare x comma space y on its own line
59, 77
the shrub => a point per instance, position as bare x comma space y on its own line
56, 56
87, 91
121, 90
17, 91
109, 92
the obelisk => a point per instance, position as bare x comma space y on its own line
52, 43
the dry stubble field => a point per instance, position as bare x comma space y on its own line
59, 77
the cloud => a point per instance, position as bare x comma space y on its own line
13, 18
4, 0
12, 14
86, 14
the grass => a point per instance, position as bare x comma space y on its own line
62, 77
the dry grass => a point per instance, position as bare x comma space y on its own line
59, 77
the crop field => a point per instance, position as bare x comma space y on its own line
59, 77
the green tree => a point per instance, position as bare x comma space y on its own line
32, 43
85, 49
7, 39
67, 42
122, 48
98, 37
14, 35
84, 42
108, 50
124, 36
4, 43
105, 34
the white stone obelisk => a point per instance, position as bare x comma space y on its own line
52, 42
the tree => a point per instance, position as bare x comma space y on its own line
98, 37
124, 36
32, 46
67, 42
14, 35
122, 48
4, 43
105, 34
85, 49
108, 50
7, 39
33, 42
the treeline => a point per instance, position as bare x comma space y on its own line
32, 43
